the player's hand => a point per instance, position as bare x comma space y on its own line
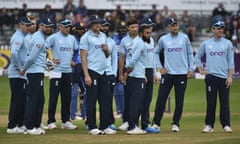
73, 63
56, 61
202, 71
21, 73
121, 79
156, 79
88, 80
146, 80
105, 49
190, 74
163, 71
228, 82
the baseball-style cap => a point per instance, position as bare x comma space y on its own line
218, 24
146, 22
25, 20
105, 22
65, 22
171, 20
94, 19
46, 22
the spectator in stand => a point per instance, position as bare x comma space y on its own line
24, 10
190, 27
154, 12
79, 19
108, 17
120, 13
227, 34
236, 44
219, 12
228, 23
159, 24
82, 9
138, 15
165, 12
5, 18
182, 25
234, 29
68, 9
48, 13
238, 12
14, 17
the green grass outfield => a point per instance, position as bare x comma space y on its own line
190, 131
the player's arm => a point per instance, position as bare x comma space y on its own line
230, 59
15, 48
37, 46
200, 53
190, 58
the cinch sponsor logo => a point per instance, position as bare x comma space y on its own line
218, 53
150, 50
98, 46
175, 49
65, 49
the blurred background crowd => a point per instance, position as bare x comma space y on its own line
193, 25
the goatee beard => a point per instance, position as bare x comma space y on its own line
146, 39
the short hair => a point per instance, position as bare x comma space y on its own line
31, 17
132, 21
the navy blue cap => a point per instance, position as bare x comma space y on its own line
171, 20
65, 22
146, 22
25, 20
46, 22
94, 19
121, 24
219, 24
105, 22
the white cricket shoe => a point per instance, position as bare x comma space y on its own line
136, 131
175, 128
42, 126
227, 129
207, 129
109, 131
52, 126
95, 132
118, 116
34, 131
15, 130
68, 125
124, 126
155, 126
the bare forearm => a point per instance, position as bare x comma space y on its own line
230, 73
83, 55
121, 64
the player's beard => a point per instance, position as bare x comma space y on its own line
106, 32
47, 32
146, 39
